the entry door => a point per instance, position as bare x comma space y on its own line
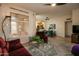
68, 28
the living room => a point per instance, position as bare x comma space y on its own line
24, 21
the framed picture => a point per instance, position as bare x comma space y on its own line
53, 26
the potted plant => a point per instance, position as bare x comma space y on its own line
37, 39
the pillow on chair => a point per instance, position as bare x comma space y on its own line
14, 44
14, 41
2, 42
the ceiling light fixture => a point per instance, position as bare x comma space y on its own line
54, 4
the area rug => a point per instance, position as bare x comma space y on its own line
54, 47
49, 50
43, 50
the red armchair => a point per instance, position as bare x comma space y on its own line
17, 49
3, 48
13, 48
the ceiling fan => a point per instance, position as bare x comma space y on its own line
55, 4
47, 18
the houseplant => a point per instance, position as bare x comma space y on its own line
37, 39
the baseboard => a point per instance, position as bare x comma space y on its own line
61, 37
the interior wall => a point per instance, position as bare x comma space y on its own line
5, 11
75, 17
68, 28
60, 24
32, 24
59, 20
0, 18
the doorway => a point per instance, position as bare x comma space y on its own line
68, 28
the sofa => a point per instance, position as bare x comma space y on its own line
12, 48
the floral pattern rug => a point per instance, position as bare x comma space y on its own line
43, 50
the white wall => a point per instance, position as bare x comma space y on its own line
60, 24
0, 18
59, 20
75, 16
5, 11
32, 24
68, 28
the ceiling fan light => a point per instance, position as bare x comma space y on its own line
54, 4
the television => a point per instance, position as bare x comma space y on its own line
75, 28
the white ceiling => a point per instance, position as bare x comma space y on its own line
40, 8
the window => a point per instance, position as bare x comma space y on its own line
19, 24
13, 26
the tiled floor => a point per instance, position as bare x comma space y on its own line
62, 45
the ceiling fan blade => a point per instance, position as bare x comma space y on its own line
60, 3
49, 4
